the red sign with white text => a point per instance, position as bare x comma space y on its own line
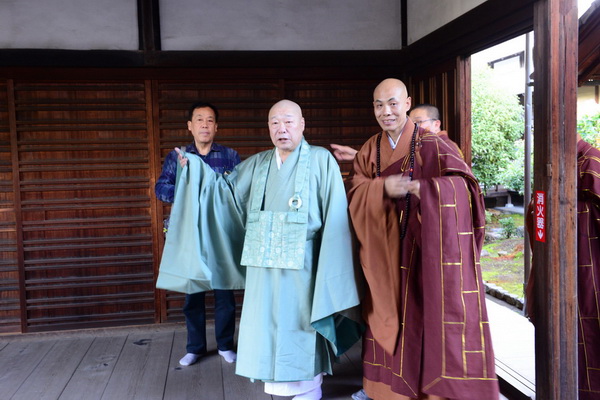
540, 216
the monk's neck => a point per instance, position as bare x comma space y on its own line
395, 134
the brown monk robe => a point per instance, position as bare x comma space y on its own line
588, 270
428, 333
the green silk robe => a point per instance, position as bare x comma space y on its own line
294, 321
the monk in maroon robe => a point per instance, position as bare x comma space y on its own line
588, 270
419, 218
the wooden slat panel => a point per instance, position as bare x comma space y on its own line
10, 320
438, 87
448, 87
83, 154
243, 108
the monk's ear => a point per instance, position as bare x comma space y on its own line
302, 123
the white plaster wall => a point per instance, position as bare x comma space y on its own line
224, 24
280, 24
69, 24
427, 16
511, 75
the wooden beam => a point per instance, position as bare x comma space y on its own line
555, 84
149, 26
50, 58
404, 23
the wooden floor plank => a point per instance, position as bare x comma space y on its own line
138, 363
182, 382
52, 374
17, 361
202, 380
141, 370
239, 387
95, 369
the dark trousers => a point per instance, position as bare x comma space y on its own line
195, 319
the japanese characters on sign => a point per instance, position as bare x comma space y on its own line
540, 216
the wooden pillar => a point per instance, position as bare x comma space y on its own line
555, 102
463, 107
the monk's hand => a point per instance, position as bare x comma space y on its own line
181, 157
343, 153
397, 186
414, 187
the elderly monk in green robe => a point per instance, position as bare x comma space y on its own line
283, 215
419, 217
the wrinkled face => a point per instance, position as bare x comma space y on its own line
390, 104
420, 116
203, 126
286, 126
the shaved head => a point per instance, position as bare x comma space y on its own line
391, 104
391, 84
286, 105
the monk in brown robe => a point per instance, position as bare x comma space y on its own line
419, 217
588, 269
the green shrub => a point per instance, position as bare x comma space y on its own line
508, 227
497, 121
588, 127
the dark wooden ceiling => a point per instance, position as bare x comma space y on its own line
589, 46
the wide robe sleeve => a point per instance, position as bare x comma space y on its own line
204, 242
335, 313
588, 269
375, 220
458, 358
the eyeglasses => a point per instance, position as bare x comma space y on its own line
425, 120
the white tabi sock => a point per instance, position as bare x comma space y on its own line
189, 359
228, 355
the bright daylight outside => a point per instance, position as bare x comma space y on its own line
499, 132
